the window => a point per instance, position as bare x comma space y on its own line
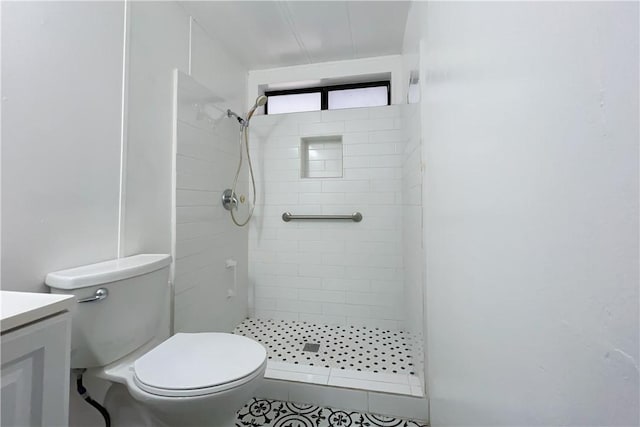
361, 97
354, 95
293, 103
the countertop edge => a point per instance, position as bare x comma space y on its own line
22, 308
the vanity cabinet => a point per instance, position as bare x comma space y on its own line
35, 371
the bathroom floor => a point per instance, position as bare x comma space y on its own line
274, 413
350, 347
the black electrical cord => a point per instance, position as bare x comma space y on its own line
82, 391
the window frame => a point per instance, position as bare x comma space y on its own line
324, 92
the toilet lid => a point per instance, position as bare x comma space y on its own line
198, 361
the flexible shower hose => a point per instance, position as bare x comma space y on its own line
244, 138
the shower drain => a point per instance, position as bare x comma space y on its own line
313, 348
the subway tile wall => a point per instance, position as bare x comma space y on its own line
206, 157
329, 272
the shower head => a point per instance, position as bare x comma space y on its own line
260, 101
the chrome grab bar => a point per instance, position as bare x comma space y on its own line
355, 217
100, 294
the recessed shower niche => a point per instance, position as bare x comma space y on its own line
321, 157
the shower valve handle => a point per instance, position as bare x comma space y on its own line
229, 200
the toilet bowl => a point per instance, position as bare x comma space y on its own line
199, 379
189, 379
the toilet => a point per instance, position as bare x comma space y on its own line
189, 379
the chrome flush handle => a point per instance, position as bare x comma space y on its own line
100, 294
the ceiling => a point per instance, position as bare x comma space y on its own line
268, 34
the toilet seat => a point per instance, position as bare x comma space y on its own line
199, 364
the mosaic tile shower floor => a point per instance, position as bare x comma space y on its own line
345, 347
273, 413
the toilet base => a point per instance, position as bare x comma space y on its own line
125, 411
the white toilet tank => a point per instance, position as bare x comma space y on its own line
124, 302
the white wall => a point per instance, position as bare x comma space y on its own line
62, 66
530, 128
159, 43
329, 272
61, 135
61, 115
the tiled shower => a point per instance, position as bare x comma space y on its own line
329, 272
352, 291
339, 273
209, 252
